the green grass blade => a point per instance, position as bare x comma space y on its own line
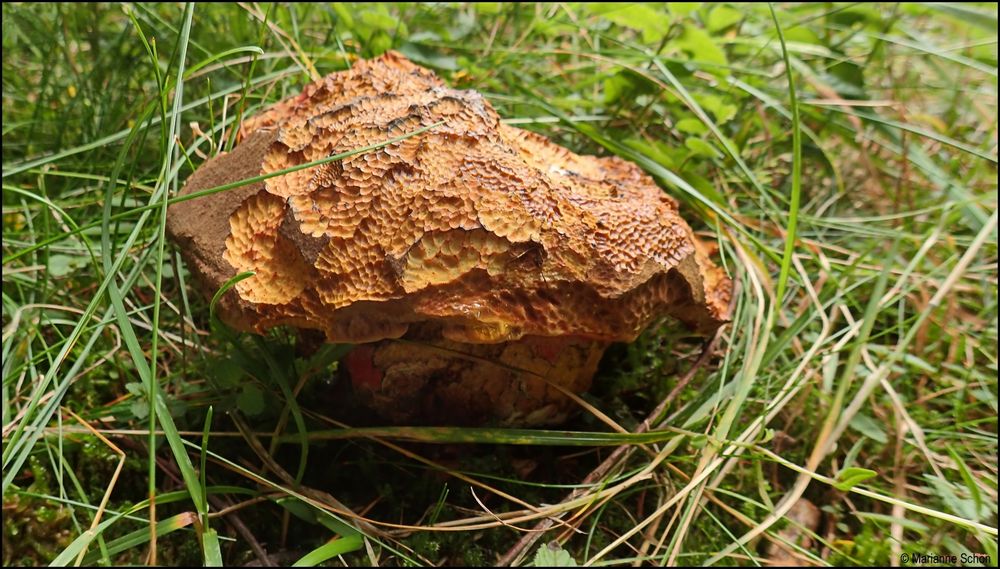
330, 550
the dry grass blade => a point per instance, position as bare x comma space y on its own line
111, 483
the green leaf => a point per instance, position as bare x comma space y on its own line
251, 400
857, 14
848, 78
226, 372
653, 23
700, 46
140, 405
851, 477
377, 17
691, 126
722, 16
683, 8
488, 7
552, 555
139, 408
62, 265
428, 56
869, 427
718, 106
378, 44
802, 34
626, 84
701, 147
767, 437
615, 88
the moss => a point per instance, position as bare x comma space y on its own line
34, 530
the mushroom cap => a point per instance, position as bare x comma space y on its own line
484, 232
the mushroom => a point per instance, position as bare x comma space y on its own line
483, 268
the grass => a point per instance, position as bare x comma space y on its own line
842, 156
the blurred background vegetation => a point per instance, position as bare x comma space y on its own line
847, 416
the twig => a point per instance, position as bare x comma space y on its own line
234, 519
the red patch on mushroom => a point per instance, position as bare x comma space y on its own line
361, 367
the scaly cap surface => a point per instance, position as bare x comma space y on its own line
485, 230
